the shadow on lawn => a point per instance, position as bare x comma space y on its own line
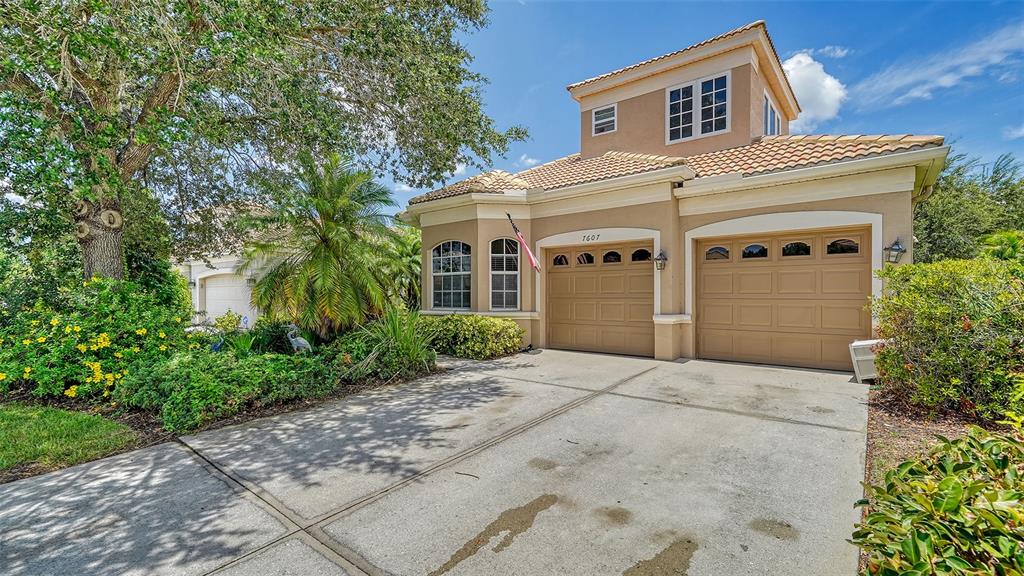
159, 511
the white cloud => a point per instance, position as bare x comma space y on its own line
404, 188
526, 161
829, 51
460, 169
820, 94
919, 79
1013, 132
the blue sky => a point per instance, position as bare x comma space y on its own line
955, 69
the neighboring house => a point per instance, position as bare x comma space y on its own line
217, 288
690, 224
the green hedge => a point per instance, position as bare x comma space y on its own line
474, 336
106, 330
957, 511
192, 389
954, 334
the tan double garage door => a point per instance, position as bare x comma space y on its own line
600, 298
795, 299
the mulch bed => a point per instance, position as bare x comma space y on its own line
898, 432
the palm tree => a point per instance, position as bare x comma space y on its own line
320, 256
1008, 245
403, 265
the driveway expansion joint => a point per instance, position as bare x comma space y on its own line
291, 521
313, 528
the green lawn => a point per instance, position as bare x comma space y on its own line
52, 438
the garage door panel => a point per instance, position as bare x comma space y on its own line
759, 282
796, 349
585, 283
585, 311
753, 346
797, 315
640, 284
640, 312
561, 309
717, 344
844, 280
604, 306
612, 284
835, 353
716, 283
798, 281
754, 314
612, 311
560, 285
716, 313
798, 309
839, 316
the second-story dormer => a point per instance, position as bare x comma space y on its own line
720, 93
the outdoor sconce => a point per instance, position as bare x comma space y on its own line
894, 252
250, 281
660, 260
191, 283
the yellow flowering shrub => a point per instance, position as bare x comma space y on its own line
86, 349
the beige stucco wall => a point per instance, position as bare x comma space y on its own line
673, 338
640, 122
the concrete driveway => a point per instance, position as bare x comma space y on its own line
545, 463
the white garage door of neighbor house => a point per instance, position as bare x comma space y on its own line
226, 292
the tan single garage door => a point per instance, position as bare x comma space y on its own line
796, 299
601, 298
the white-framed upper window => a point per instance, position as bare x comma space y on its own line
504, 274
451, 264
604, 119
697, 109
772, 119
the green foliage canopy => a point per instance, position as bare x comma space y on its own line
969, 202
200, 102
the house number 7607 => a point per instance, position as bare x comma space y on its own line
590, 237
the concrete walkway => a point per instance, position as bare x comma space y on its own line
544, 463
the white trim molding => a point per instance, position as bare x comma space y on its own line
597, 236
510, 314
782, 222
672, 319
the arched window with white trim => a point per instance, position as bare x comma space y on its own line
451, 266
504, 274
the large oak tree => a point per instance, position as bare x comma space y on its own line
198, 104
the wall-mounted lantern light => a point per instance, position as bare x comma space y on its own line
660, 260
250, 281
894, 252
191, 283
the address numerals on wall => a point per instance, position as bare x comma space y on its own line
591, 237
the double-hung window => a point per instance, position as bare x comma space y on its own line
504, 274
698, 108
450, 266
604, 119
772, 120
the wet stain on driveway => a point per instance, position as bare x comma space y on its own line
512, 522
672, 561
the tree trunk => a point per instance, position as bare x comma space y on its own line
99, 228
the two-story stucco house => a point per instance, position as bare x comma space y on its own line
691, 224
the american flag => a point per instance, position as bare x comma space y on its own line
522, 242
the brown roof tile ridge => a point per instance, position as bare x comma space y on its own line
651, 158
721, 36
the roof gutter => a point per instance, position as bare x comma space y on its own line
733, 182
